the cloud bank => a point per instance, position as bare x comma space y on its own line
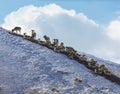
75, 29
114, 30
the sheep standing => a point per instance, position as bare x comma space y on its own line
17, 29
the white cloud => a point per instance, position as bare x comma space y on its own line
75, 29
54, 21
114, 30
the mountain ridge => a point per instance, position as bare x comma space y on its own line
34, 68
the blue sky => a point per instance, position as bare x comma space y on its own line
91, 26
102, 11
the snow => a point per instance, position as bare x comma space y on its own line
28, 68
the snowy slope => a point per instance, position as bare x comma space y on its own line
27, 67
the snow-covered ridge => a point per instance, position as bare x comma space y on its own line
27, 67
75, 56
